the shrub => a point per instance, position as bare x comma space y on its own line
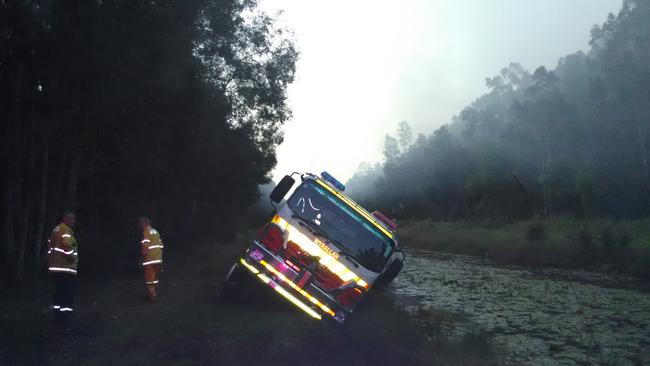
535, 231
624, 239
608, 237
585, 239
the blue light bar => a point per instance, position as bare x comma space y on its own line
328, 178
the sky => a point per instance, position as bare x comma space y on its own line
366, 65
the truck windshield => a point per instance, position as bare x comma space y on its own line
341, 223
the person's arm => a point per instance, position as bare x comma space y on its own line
162, 253
66, 246
146, 242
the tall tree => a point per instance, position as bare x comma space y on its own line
118, 109
573, 139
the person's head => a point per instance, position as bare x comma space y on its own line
144, 222
68, 218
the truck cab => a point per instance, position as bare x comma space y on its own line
321, 250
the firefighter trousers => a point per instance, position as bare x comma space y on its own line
151, 275
64, 291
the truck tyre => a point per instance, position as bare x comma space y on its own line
392, 272
233, 283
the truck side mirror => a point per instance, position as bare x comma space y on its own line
281, 189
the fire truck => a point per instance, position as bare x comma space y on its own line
321, 251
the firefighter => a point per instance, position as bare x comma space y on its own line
62, 261
152, 255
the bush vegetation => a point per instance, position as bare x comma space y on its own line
620, 246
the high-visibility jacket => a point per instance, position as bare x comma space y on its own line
152, 246
62, 250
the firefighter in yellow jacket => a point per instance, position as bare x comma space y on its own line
62, 261
152, 255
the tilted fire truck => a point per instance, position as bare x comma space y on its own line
321, 251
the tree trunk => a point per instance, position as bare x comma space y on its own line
643, 147
60, 186
71, 191
548, 161
40, 231
20, 260
12, 171
545, 201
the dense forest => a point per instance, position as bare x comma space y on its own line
573, 140
117, 109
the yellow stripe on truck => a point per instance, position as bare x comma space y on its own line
325, 258
264, 278
313, 249
295, 287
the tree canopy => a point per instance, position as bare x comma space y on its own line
571, 140
116, 109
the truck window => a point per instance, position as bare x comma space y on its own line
366, 244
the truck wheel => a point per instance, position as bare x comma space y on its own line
392, 272
233, 283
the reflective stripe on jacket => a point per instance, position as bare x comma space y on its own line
152, 246
62, 253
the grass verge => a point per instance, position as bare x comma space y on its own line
604, 245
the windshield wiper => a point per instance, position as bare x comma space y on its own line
349, 256
316, 230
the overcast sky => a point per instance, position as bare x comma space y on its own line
367, 65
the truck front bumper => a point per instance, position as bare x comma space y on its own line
289, 283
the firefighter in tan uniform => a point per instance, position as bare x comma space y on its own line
62, 261
152, 253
